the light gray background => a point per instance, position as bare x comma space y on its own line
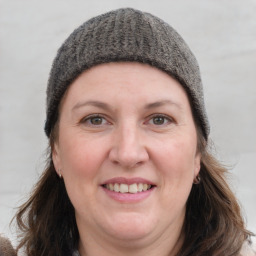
222, 34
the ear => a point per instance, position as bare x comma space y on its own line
197, 164
56, 157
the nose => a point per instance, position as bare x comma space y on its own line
128, 148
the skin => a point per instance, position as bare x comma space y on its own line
143, 128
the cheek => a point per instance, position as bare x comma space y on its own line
79, 156
177, 159
81, 161
176, 164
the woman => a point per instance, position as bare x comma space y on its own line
129, 168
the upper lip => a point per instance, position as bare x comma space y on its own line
128, 181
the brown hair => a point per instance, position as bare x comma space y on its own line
213, 222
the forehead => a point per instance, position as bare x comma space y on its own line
121, 81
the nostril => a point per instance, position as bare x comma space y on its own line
115, 162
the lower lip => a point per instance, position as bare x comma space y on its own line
128, 197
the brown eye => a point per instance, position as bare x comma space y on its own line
158, 120
96, 120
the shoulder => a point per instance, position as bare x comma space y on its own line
6, 248
247, 250
75, 253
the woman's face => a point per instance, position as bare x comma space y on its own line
127, 152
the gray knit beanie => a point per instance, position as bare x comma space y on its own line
125, 35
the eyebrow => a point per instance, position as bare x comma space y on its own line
98, 104
162, 103
105, 106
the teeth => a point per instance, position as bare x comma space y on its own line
140, 187
116, 187
133, 188
124, 188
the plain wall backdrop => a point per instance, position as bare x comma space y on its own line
222, 35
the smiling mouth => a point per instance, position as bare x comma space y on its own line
125, 188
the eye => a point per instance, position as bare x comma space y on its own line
160, 120
94, 120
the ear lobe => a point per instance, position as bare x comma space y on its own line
197, 170
56, 157
197, 164
197, 167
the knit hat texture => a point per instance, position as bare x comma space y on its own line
125, 35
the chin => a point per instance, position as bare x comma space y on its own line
131, 226
129, 235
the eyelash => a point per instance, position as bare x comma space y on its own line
88, 119
165, 117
